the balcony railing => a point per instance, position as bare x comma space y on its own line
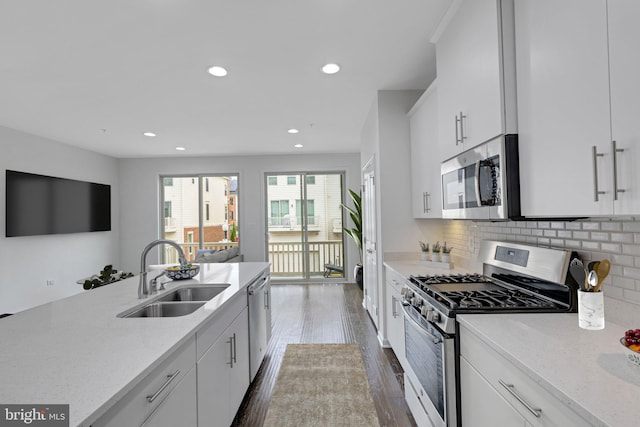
286, 258
292, 222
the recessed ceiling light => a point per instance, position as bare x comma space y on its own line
298, 146
180, 148
217, 71
292, 130
331, 68
149, 134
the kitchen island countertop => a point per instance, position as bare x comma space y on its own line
76, 351
586, 370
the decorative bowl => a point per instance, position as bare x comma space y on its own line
181, 273
632, 355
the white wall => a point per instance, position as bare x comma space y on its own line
140, 196
26, 263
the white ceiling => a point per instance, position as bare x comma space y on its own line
97, 74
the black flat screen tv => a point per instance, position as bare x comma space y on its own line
39, 204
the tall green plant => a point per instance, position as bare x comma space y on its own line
356, 217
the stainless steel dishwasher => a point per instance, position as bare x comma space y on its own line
259, 295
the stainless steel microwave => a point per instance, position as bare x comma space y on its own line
483, 183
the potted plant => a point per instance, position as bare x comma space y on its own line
356, 232
425, 251
107, 275
446, 253
436, 251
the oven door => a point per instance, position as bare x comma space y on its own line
430, 358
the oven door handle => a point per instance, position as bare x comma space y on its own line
421, 329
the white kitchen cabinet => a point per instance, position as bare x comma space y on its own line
496, 392
170, 388
179, 408
425, 156
563, 106
476, 77
394, 315
624, 63
481, 403
223, 368
577, 94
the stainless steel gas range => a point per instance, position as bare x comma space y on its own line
516, 278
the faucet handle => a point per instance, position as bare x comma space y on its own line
153, 288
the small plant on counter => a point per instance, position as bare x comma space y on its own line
107, 275
436, 247
424, 246
445, 249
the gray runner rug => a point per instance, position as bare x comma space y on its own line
322, 385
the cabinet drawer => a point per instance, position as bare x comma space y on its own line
527, 397
207, 335
394, 279
145, 397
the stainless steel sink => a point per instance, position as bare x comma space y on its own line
178, 302
194, 293
165, 309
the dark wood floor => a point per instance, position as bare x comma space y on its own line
326, 313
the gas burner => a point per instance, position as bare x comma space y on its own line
452, 278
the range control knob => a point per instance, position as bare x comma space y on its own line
416, 301
425, 310
433, 316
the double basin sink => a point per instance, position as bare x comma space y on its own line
178, 302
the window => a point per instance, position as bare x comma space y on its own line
291, 180
190, 241
231, 215
231, 200
311, 179
280, 213
194, 210
310, 211
272, 180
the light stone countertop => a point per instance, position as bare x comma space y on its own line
408, 268
586, 370
76, 351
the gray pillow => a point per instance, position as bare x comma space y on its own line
233, 252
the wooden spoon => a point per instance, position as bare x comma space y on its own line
602, 271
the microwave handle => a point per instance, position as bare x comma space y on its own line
477, 182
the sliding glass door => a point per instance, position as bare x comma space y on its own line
304, 225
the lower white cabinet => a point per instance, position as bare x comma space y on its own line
165, 395
223, 371
480, 402
179, 408
394, 315
496, 392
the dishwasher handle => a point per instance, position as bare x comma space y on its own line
257, 285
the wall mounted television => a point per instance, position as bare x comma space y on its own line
40, 204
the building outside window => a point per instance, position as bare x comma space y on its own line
291, 180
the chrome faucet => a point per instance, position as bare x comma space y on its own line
143, 287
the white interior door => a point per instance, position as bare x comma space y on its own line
369, 230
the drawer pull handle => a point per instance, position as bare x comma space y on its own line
170, 378
511, 389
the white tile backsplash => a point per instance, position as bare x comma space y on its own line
593, 239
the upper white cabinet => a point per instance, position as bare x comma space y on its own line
476, 80
425, 158
624, 63
576, 96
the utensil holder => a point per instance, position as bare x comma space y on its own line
591, 310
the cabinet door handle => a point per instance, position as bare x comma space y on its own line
232, 345
615, 150
170, 378
462, 136
394, 313
596, 191
266, 300
458, 120
427, 208
512, 390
